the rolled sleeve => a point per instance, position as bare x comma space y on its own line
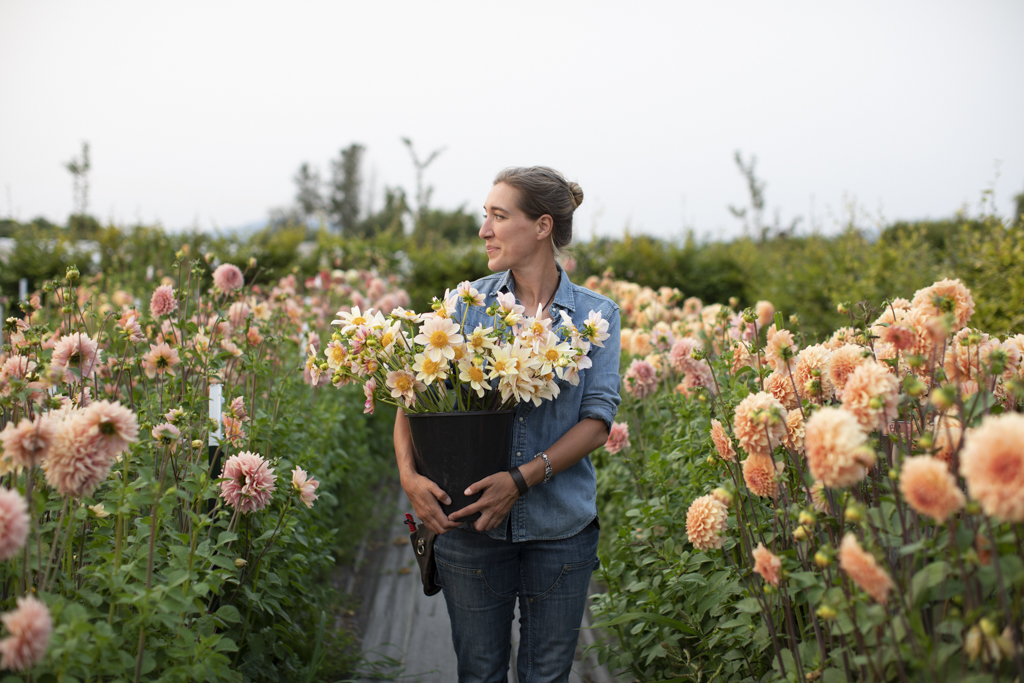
602, 381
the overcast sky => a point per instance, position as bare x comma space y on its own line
200, 113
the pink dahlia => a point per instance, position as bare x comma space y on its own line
369, 390
237, 313
618, 437
163, 302
77, 351
233, 430
863, 569
28, 444
13, 523
115, 426
237, 409
767, 565
681, 359
29, 628
641, 379
166, 434
228, 278
248, 482
160, 359
129, 324
305, 485
76, 464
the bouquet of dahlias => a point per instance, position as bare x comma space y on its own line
429, 363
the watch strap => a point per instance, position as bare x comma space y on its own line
520, 481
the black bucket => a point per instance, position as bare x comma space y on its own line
455, 450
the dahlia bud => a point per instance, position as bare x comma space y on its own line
72, 273
972, 642
926, 441
973, 339
997, 362
239, 562
915, 360
988, 628
800, 533
944, 397
842, 309
822, 559
733, 301
722, 496
794, 319
208, 257
914, 386
807, 519
698, 354
973, 507
48, 286
196, 443
252, 262
853, 514
826, 613
894, 474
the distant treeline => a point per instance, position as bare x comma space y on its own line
803, 274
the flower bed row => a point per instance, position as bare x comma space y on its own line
849, 510
171, 488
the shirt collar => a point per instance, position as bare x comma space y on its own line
563, 295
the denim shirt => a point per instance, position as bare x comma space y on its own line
567, 503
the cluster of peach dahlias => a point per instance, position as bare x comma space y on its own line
641, 379
723, 444
945, 295
760, 423
760, 474
767, 564
872, 395
741, 357
992, 463
618, 438
29, 628
680, 356
13, 523
305, 486
810, 373
796, 429
706, 522
844, 360
249, 482
228, 278
28, 443
837, 453
863, 569
929, 488
75, 351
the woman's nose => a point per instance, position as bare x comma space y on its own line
485, 229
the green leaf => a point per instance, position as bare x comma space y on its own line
929, 577
229, 613
643, 616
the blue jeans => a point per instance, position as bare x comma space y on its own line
482, 577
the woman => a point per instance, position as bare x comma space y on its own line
539, 546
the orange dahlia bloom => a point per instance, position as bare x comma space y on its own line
796, 429
779, 385
837, 453
863, 569
992, 463
706, 521
767, 564
723, 444
929, 488
819, 501
872, 395
812, 368
760, 423
780, 344
844, 360
946, 295
760, 476
949, 432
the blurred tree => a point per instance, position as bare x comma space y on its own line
308, 197
423, 191
1018, 214
80, 223
389, 220
440, 227
344, 201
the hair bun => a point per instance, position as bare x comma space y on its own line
576, 194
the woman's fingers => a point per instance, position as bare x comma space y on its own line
424, 496
498, 494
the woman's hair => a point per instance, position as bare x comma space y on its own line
544, 190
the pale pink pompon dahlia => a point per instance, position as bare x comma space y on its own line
29, 628
929, 488
87, 443
163, 302
706, 521
115, 426
305, 485
13, 523
863, 569
767, 565
618, 438
228, 278
992, 463
248, 483
79, 351
837, 453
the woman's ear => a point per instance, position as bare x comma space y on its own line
545, 224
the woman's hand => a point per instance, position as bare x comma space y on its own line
499, 493
424, 496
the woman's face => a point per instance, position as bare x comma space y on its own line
510, 236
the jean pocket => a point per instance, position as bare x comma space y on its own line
470, 589
573, 578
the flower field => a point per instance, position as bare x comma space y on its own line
785, 510
185, 459
173, 491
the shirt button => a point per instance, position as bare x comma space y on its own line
520, 419
519, 454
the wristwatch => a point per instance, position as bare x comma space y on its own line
548, 472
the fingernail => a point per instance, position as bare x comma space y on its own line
468, 492
447, 501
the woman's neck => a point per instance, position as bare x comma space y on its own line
536, 285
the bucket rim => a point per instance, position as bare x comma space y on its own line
463, 413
